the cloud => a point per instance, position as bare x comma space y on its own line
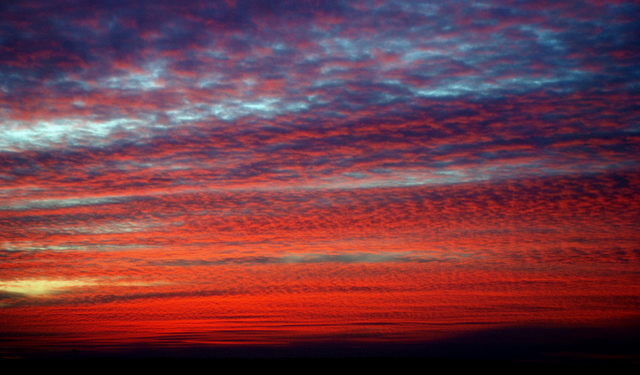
39, 287
344, 257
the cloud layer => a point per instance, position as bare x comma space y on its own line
269, 162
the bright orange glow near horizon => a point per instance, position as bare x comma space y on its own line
389, 273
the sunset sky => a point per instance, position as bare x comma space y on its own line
320, 178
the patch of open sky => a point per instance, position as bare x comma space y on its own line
59, 203
466, 47
135, 81
32, 246
316, 99
249, 82
279, 47
412, 56
170, 164
187, 114
156, 72
19, 191
385, 98
235, 109
296, 107
392, 82
9, 199
634, 128
59, 132
8, 81
210, 80
262, 107
328, 69
545, 37
327, 82
634, 85
443, 176
108, 228
561, 82
79, 84
354, 49
475, 86
309, 59
377, 257
356, 175
449, 90
421, 7
393, 44
394, 179
216, 54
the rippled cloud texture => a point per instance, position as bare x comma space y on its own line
277, 175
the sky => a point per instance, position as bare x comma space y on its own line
320, 178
